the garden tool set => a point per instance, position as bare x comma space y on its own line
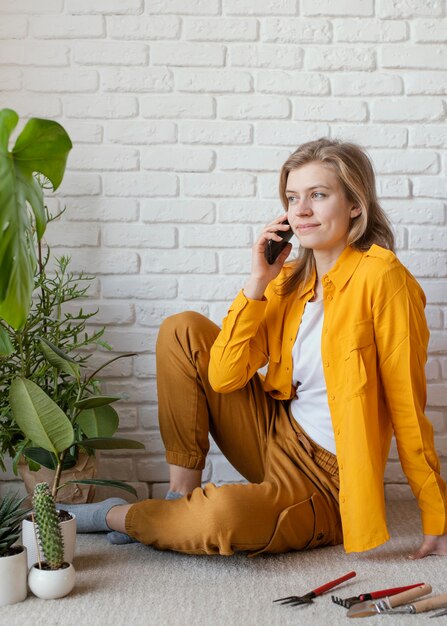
409, 599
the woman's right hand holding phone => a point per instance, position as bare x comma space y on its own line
262, 272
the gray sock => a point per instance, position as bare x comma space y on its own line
173, 495
119, 539
91, 518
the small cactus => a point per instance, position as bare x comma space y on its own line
49, 531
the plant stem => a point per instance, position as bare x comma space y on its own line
57, 475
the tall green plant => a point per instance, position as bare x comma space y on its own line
43, 147
48, 528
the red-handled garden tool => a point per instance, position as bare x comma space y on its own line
308, 597
372, 595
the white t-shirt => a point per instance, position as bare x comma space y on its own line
309, 406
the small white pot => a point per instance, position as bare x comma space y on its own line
13, 573
68, 529
51, 584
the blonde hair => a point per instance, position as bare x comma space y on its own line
355, 173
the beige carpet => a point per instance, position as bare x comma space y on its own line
135, 584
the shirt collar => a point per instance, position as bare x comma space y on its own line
344, 267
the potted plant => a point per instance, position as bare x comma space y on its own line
52, 577
13, 564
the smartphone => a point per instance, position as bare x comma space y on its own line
274, 248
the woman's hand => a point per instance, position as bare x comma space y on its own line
261, 271
431, 544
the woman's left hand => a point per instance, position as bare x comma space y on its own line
431, 544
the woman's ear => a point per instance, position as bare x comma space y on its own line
355, 211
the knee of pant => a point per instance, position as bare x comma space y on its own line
173, 324
230, 507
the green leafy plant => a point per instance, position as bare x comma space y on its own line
11, 517
42, 146
48, 528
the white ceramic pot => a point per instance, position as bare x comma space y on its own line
51, 584
13, 574
68, 529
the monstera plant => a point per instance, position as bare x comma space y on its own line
41, 148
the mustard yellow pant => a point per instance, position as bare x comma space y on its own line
291, 500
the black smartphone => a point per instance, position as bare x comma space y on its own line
274, 248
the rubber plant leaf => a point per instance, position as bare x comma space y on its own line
6, 347
103, 483
94, 401
39, 417
101, 421
112, 443
42, 147
58, 359
47, 459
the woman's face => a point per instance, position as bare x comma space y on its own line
318, 210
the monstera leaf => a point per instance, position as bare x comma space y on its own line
43, 147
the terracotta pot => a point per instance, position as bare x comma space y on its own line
29, 540
51, 584
13, 574
76, 494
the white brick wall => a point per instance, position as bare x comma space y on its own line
181, 112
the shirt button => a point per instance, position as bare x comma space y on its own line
332, 397
343, 499
329, 297
326, 364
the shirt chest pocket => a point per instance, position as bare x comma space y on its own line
359, 353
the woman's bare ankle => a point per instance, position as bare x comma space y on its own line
183, 480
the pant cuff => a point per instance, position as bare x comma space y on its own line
185, 460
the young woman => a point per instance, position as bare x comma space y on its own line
343, 334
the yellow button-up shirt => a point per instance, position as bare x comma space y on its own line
373, 350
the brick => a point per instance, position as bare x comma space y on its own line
253, 107
67, 27
241, 211
444, 367
209, 288
295, 31
159, 490
118, 368
142, 491
420, 56
405, 161
268, 187
366, 84
216, 81
392, 9
401, 235
260, 7
329, 110
429, 238
220, 29
116, 469
297, 84
101, 106
14, 27
145, 367
416, 109
103, 261
39, 53
76, 235
154, 469
425, 83
438, 421
432, 370
184, 7
110, 53
265, 55
392, 187
59, 80
434, 317
104, 7
218, 310
187, 54
148, 413
143, 27
214, 132
139, 287
177, 211
342, 7
102, 209
429, 30
136, 79
30, 6
206, 236
414, 211
83, 132
182, 262
436, 397
435, 291
140, 184
372, 136
285, 133
424, 264
438, 342
235, 261
430, 186
153, 314
188, 106
39, 106
104, 158
180, 159
10, 79
139, 236
260, 159
130, 340
369, 31
220, 184
136, 132
334, 58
